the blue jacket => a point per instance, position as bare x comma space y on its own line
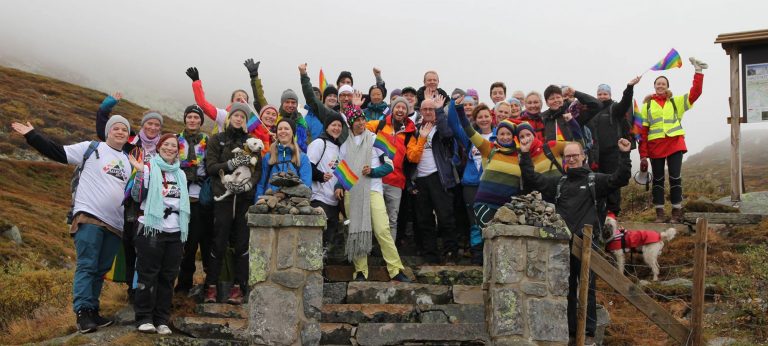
471, 175
314, 123
304, 171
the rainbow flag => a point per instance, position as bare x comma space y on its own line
346, 177
672, 60
117, 272
559, 133
637, 121
323, 83
383, 144
253, 122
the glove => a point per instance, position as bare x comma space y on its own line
238, 188
253, 68
238, 161
193, 74
698, 65
644, 165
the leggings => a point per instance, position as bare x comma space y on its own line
674, 164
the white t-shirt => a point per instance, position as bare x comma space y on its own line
426, 165
375, 153
101, 188
171, 199
326, 163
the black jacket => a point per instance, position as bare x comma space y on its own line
575, 204
551, 117
611, 123
442, 149
218, 151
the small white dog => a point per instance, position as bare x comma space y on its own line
240, 179
648, 242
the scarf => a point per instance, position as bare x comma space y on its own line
154, 209
192, 149
375, 111
359, 241
148, 144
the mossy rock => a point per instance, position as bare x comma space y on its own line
708, 207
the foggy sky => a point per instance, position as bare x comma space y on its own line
144, 47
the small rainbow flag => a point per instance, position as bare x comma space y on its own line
117, 272
253, 122
383, 144
323, 83
672, 60
559, 133
637, 121
346, 177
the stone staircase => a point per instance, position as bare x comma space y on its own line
443, 306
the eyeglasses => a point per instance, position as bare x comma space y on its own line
572, 157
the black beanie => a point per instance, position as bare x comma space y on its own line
291, 123
194, 109
331, 118
330, 90
344, 74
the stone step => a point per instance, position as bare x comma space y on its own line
356, 314
212, 327
336, 333
176, 340
449, 275
380, 334
334, 293
397, 293
221, 310
463, 294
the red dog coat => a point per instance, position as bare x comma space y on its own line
632, 239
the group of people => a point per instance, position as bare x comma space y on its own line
454, 161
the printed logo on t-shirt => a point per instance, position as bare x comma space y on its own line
172, 191
116, 169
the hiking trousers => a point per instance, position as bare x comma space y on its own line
158, 258
380, 222
96, 248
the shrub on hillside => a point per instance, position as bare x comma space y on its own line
25, 290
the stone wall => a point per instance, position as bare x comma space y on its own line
285, 279
525, 279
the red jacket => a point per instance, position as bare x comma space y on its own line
632, 239
663, 147
397, 177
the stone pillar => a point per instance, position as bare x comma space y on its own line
525, 281
286, 282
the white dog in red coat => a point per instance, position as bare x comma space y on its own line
648, 242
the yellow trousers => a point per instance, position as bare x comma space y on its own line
380, 220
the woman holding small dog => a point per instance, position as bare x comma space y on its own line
160, 188
230, 212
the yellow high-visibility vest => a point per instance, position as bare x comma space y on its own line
665, 121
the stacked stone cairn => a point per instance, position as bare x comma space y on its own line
291, 197
531, 210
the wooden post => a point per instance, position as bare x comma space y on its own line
586, 255
735, 121
699, 271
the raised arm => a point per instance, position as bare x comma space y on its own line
441, 120
45, 146
102, 114
258, 89
532, 180
467, 131
197, 89
606, 183
592, 104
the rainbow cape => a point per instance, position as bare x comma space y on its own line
637, 121
346, 177
672, 60
383, 144
323, 83
117, 272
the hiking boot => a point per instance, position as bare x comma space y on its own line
163, 330
210, 294
101, 321
85, 322
449, 258
589, 341
400, 277
359, 276
677, 215
235, 295
661, 217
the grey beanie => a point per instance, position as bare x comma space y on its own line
604, 87
456, 92
242, 107
397, 100
288, 94
152, 115
116, 119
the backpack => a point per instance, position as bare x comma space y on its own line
599, 204
92, 148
